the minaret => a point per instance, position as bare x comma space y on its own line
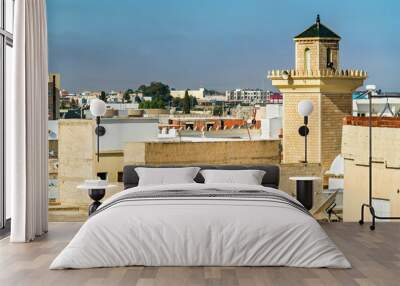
317, 77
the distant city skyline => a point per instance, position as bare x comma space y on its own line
109, 45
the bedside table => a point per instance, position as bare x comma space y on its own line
96, 193
304, 190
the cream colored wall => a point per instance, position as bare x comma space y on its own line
78, 162
110, 162
332, 100
293, 143
135, 153
318, 48
325, 124
188, 153
223, 153
386, 168
334, 107
301, 46
76, 141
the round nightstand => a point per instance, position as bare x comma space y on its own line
96, 193
304, 190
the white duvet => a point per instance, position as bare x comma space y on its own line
193, 231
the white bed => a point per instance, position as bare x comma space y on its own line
203, 231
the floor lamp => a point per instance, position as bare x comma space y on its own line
98, 109
305, 108
372, 92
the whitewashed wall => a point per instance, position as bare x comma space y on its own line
121, 131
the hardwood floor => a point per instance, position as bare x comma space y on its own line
375, 257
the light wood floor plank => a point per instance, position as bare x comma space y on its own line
375, 257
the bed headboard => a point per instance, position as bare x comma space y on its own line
271, 177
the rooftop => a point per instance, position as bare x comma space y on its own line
318, 30
391, 122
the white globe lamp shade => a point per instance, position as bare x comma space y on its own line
305, 107
371, 87
97, 107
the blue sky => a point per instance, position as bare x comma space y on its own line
219, 44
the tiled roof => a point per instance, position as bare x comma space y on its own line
318, 30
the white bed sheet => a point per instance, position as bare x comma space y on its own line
200, 232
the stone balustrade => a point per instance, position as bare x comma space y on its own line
350, 73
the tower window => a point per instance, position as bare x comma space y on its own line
329, 61
307, 59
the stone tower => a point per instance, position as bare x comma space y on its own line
317, 77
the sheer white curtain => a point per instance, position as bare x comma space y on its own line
26, 130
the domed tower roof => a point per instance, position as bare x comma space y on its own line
318, 30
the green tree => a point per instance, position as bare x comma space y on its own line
159, 93
180, 102
142, 88
186, 103
156, 89
177, 102
156, 103
103, 96
193, 101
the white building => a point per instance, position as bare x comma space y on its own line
114, 96
215, 97
85, 97
380, 107
121, 131
122, 106
197, 93
271, 125
250, 96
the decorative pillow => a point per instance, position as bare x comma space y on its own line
166, 176
248, 177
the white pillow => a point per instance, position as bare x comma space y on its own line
248, 177
166, 176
